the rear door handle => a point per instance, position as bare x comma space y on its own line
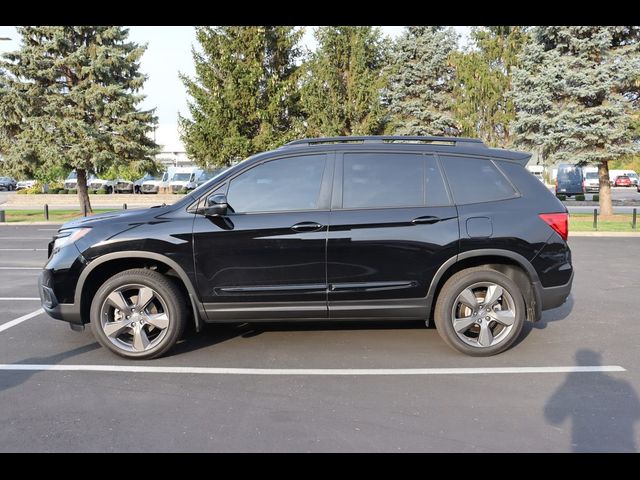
307, 227
425, 220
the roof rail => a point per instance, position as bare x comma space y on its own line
387, 139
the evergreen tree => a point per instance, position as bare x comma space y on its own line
243, 97
70, 101
421, 82
341, 92
573, 94
483, 105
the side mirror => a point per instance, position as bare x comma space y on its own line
216, 205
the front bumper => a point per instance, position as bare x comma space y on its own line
68, 312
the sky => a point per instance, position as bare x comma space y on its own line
168, 53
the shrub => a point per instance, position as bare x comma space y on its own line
561, 197
72, 191
579, 198
63, 191
101, 191
596, 198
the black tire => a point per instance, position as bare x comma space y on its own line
448, 295
165, 288
109, 189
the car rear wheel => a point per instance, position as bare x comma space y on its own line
479, 312
138, 314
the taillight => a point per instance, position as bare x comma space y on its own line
558, 221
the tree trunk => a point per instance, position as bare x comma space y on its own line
605, 188
83, 194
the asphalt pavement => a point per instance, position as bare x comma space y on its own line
307, 398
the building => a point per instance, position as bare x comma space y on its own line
173, 153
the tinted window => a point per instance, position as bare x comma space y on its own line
435, 190
475, 180
569, 173
383, 180
280, 185
591, 175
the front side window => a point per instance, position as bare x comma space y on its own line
279, 185
476, 180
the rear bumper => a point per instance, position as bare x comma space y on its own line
553, 297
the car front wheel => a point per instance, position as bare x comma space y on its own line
479, 312
138, 314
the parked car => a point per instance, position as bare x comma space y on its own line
7, 183
634, 178
591, 182
180, 180
24, 184
71, 182
622, 181
204, 177
123, 186
152, 185
569, 180
344, 228
137, 185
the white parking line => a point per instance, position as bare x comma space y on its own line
15, 322
23, 249
19, 298
311, 371
25, 238
20, 268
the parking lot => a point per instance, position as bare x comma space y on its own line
385, 386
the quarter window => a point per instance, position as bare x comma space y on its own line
280, 185
476, 180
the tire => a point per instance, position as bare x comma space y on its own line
476, 280
109, 189
152, 333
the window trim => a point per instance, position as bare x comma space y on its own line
337, 200
518, 194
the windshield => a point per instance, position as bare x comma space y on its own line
72, 176
4, 179
570, 174
632, 175
591, 175
181, 177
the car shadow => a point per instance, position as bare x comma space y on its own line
548, 316
13, 378
212, 334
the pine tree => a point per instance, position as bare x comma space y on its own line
341, 91
243, 97
573, 95
70, 101
421, 82
483, 106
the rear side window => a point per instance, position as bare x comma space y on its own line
383, 180
378, 180
476, 180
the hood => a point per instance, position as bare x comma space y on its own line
120, 215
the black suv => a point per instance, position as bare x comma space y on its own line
346, 228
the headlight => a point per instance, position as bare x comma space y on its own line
67, 237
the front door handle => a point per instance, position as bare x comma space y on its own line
307, 227
425, 220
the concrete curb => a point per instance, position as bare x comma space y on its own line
18, 224
603, 234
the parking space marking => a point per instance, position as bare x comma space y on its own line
23, 318
23, 249
20, 268
25, 238
19, 298
311, 371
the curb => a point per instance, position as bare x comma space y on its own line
604, 234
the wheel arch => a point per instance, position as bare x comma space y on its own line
98, 270
510, 263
